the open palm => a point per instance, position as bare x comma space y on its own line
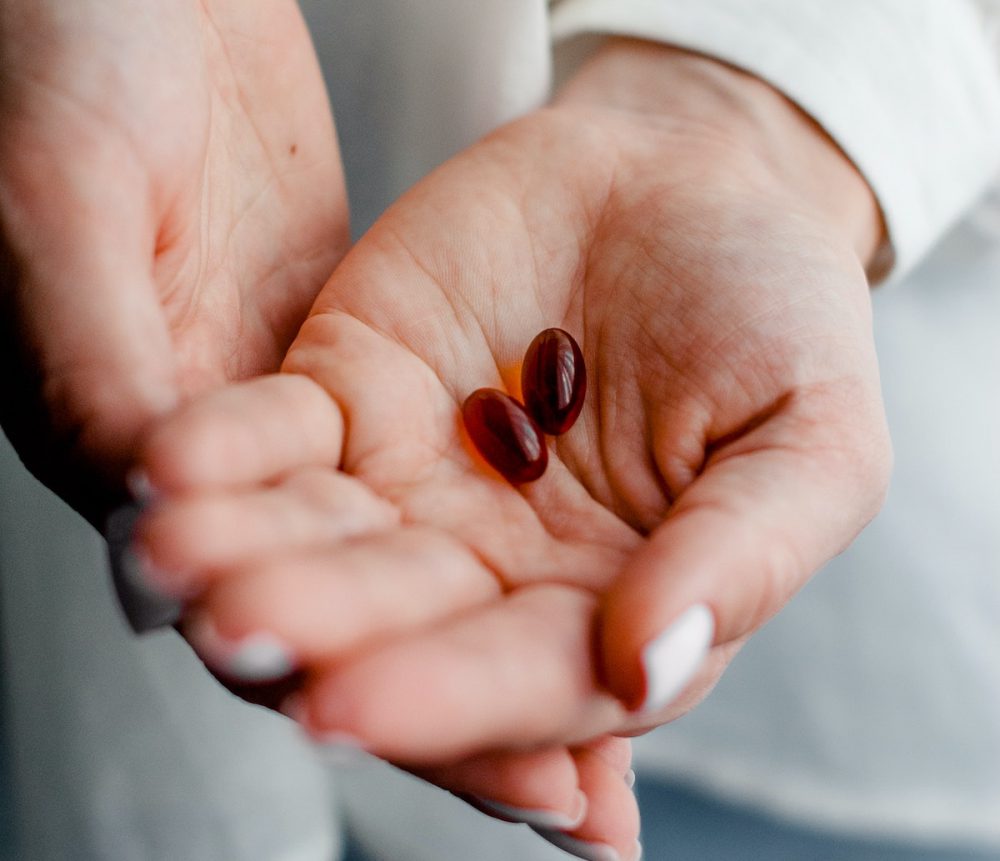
732, 441
171, 200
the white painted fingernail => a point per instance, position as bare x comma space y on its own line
334, 748
142, 489
156, 579
580, 848
146, 606
672, 659
537, 818
630, 778
637, 852
257, 657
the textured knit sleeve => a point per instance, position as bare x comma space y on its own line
909, 89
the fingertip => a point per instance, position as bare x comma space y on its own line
538, 787
404, 713
587, 850
267, 601
244, 433
610, 829
620, 665
615, 750
540, 818
172, 539
650, 653
670, 660
256, 657
144, 606
180, 453
140, 486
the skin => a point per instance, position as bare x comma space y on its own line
171, 201
706, 245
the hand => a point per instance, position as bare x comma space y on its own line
171, 200
705, 243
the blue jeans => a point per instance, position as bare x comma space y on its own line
682, 825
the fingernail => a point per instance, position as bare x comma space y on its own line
630, 778
138, 484
535, 817
145, 606
580, 848
136, 566
637, 852
334, 748
257, 657
670, 660
156, 579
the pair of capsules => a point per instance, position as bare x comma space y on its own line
509, 436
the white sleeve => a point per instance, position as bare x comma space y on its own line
909, 89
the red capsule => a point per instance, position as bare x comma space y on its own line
505, 435
554, 380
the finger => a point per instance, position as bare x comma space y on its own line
540, 788
401, 420
610, 830
145, 607
184, 538
85, 328
515, 674
320, 604
764, 515
617, 752
244, 434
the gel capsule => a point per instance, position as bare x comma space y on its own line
505, 435
554, 380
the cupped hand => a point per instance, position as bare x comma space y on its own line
171, 201
704, 243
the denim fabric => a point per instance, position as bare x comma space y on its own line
682, 825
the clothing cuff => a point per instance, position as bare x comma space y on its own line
909, 89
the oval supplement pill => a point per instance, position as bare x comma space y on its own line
505, 435
554, 380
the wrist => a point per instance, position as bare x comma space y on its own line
737, 120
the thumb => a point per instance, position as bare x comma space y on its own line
87, 349
767, 511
